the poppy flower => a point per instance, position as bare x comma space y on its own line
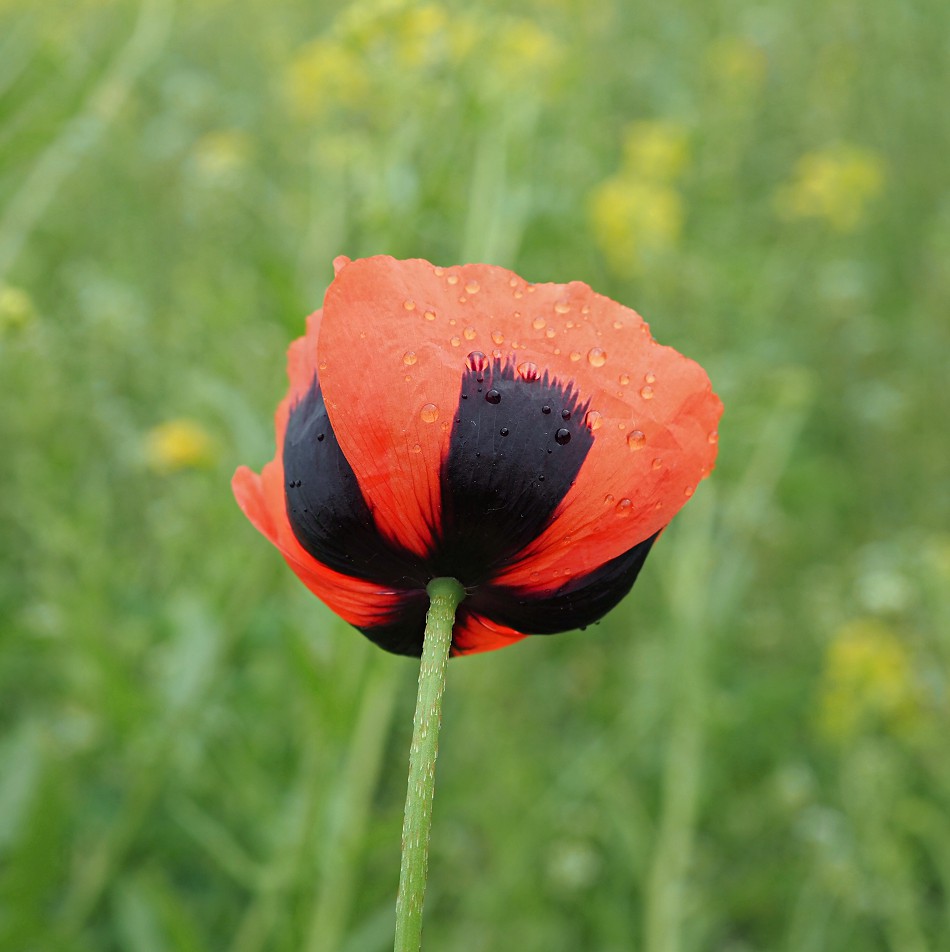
529, 440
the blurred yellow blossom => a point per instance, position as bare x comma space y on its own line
323, 74
834, 184
16, 308
637, 213
221, 154
868, 682
736, 63
377, 52
178, 444
634, 219
656, 149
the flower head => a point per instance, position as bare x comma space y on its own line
529, 440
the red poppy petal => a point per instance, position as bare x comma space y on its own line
391, 397
475, 633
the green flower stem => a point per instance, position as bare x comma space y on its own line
445, 594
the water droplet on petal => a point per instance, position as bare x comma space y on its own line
409, 358
714, 436
476, 361
597, 356
657, 463
469, 333
562, 307
429, 315
323, 365
609, 498
498, 337
562, 436
545, 409
623, 507
565, 414
455, 341
504, 431
688, 491
528, 371
650, 378
576, 355
430, 413
647, 393
636, 439
452, 279
550, 332
594, 420
493, 396
416, 448
409, 304
438, 272
624, 379
618, 325
538, 323
471, 287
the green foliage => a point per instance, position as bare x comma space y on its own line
750, 753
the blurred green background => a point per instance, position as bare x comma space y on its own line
751, 753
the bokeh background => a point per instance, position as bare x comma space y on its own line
751, 753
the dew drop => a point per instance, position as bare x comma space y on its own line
416, 448
504, 431
594, 420
471, 287
714, 436
562, 436
576, 355
650, 378
438, 272
409, 304
565, 414
498, 337
545, 409
493, 396
647, 393
496, 353
409, 358
519, 294
455, 341
429, 315
476, 361
562, 307
538, 323
469, 333
688, 491
323, 365
618, 325
623, 507
636, 439
624, 379
528, 371
430, 413
452, 279
550, 332
658, 463
597, 356
609, 498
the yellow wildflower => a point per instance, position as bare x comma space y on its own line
324, 74
736, 64
835, 184
656, 149
178, 444
868, 682
221, 154
16, 308
634, 219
